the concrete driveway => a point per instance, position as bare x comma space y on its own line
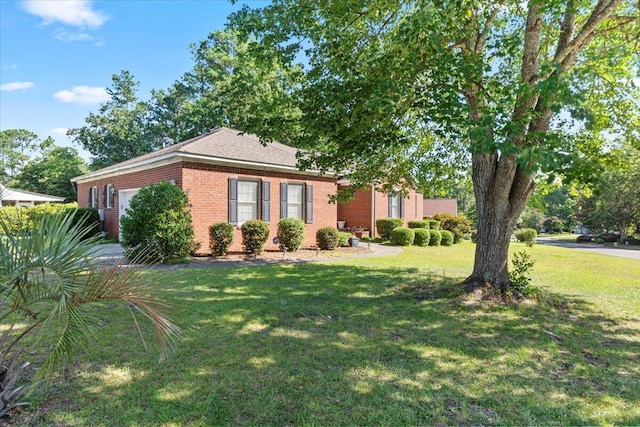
620, 251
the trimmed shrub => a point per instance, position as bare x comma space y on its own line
386, 225
158, 224
343, 238
419, 223
291, 233
422, 237
18, 220
402, 236
434, 224
584, 239
447, 238
254, 235
526, 235
327, 238
435, 237
220, 238
458, 225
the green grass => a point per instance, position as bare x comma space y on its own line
384, 341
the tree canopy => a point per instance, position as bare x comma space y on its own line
521, 87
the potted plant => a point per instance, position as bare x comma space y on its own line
357, 231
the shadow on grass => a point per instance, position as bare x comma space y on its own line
349, 345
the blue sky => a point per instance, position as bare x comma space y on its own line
57, 57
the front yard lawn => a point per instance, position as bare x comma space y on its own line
375, 341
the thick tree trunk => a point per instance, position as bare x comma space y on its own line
502, 190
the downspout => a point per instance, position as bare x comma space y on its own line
373, 212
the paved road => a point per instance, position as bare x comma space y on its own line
620, 251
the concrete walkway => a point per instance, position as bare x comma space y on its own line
113, 252
620, 251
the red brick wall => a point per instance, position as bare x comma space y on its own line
124, 182
207, 188
357, 212
434, 206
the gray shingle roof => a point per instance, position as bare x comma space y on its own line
223, 144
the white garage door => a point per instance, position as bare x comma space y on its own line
124, 198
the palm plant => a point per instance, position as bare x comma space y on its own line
51, 282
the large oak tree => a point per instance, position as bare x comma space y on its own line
519, 86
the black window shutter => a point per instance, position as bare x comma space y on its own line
266, 201
283, 200
309, 199
104, 196
90, 197
390, 202
401, 201
233, 201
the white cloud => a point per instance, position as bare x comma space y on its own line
58, 132
77, 13
66, 36
10, 87
9, 67
84, 95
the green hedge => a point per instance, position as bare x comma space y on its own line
386, 225
254, 235
447, 238
435, 237
343, 238
220, 238
526, 235
402, 236
327, 238
158, 225
458, 225
291, 233
422, 236
434, 224
419, 223
19, 220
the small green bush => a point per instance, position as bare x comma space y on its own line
458, 225
447, 238
419, 223
291, 233
474, 236
343, 238
434, 224
158, 224
526, 235
402, 236
254, 235
220, 238
422, 236
327, 238
386, 225
19, 220
435, 237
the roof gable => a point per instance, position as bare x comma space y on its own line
220, 145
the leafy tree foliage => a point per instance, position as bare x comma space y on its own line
118, 132
16, 147
51, 173
521, 86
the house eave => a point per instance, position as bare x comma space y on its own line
195, 158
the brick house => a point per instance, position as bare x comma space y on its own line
228, 176
369, 205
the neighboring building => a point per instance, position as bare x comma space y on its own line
228, 176
369, 205
434, 206
21, 198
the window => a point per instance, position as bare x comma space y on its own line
296, 201
247, 200
93, 197
396, 206
110, 195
